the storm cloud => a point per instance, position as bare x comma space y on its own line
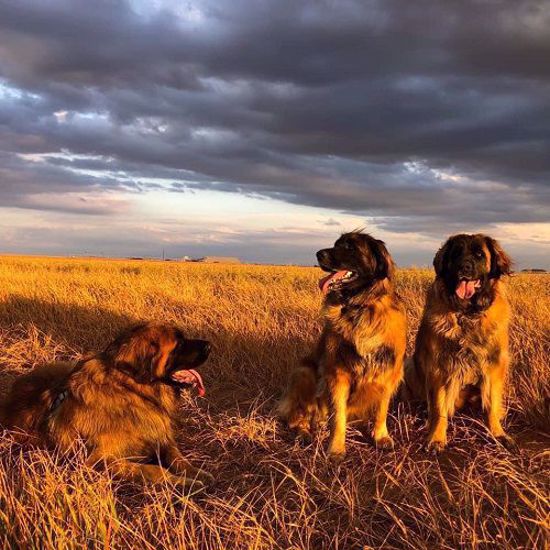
422, 115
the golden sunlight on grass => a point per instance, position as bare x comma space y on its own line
270, 491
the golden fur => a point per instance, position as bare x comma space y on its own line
358, 362
461, 352
119, 402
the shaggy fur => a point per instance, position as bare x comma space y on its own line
119, 402
358, 362
461, 352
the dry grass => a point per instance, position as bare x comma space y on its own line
271, 493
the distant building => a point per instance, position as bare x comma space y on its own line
219, 260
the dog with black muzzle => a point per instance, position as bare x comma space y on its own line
461, 352
357, 364
120, 402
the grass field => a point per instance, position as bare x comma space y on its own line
271, 492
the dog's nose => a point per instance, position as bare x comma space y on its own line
467, 269
322, 255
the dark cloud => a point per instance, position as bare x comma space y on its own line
424, 115
41, 185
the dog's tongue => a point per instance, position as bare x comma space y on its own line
191, 377
324, 282
466, 289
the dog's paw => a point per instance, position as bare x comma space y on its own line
336, 455
185, 484
436, 446
304, 437
336, 458
508, 442
385, 443
206, 478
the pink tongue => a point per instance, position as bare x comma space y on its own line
324, 282
466, 289
191, 377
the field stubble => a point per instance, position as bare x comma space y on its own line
270, 491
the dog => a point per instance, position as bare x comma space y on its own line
358, 362
120, 403
461, 351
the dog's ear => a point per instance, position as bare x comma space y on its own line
141, 352
501, 263
385, 266
440, 258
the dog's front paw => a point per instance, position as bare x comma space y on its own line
204, 477
185, 483
508, 442
336, 458
304, 437
336, 453
436, 446
302, 428
385, 443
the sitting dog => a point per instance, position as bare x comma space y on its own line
358, 362
461, 352
120, 402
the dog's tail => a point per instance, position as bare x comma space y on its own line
298, 406
412, 387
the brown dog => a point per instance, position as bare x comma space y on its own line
461, 349
119, 402
358, 362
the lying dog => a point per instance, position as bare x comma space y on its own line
461, 349
119, 402
358, 362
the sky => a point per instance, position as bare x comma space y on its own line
265, 128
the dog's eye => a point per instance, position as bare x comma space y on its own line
346, 245
478, 254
